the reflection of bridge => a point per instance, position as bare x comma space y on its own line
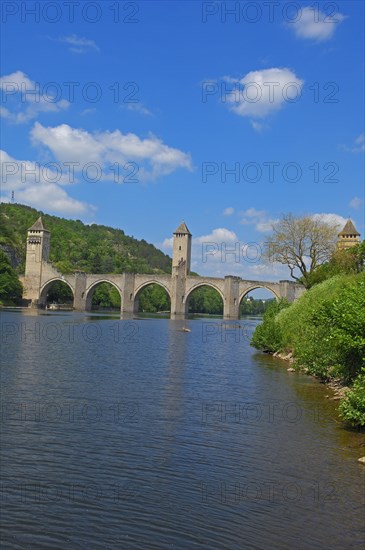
40, 274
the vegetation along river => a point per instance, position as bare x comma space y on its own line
138, 435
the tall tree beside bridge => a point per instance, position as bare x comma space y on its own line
301, 243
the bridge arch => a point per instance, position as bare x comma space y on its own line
255, 287
47, 286
201, 284
89, 293
139, 289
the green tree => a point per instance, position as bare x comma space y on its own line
302, 244
268, 335
106, 295
154, 298
60, 293
205, 300
10, 287
347, 261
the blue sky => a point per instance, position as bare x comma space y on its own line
146, 113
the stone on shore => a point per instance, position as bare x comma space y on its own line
361, 460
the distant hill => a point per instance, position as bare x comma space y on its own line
76, 246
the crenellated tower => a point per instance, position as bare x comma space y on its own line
181, 256
348, 237
37, 251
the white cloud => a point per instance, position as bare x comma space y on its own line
38, 187
360, 140
263, 223
269, 271
331, 219
228, 211
257, 126
258, 218
218, 235
264, 226
260, 93
167, 244
313, 24
138, 108
357, 147
90, 111
222, 253
253, 213
356, 202
77, 44
151, 157
26, 98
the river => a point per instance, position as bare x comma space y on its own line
137, 435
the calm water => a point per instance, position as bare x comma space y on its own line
136, 435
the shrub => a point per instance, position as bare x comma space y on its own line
325, 328
268, 335
352, 408
10, 287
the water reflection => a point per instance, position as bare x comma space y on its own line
135, 434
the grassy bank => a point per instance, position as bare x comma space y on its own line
325, 332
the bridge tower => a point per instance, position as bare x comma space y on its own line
181, 256
348, 237
37, 252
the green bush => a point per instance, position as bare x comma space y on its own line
352, 408
268, 335
10, 287
325, 328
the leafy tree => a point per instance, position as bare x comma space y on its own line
358, 252
268, 335
10, 287
60, 293
303, 244
347, 261
153, 299
106, 295
254, 307
205, 300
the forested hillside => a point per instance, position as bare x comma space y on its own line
76, 246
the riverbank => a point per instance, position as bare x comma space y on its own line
336, 385
323, 333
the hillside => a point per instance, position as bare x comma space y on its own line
76, 246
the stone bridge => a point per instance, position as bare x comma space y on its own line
40, 274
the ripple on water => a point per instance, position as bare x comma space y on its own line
169, 441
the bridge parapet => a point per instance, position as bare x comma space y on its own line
41, 274
179, 287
